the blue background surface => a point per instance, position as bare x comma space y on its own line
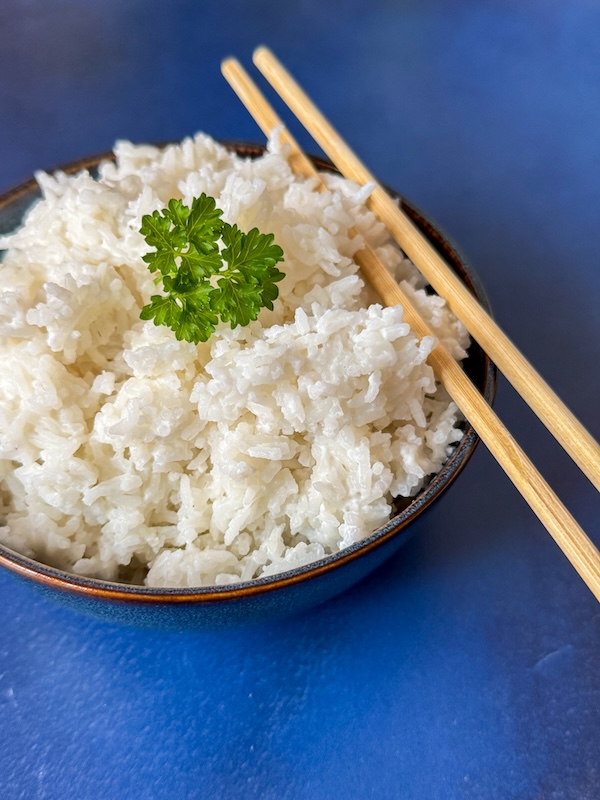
466, 667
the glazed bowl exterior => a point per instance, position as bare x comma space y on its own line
280, 595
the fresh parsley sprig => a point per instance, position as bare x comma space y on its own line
205, 283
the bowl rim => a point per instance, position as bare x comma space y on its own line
52, 577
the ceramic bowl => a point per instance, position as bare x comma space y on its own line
265, 598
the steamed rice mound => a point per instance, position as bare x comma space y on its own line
130, 456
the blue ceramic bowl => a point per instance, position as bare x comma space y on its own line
265, 598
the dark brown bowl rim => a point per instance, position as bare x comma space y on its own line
52, 577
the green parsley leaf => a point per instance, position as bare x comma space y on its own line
252, 274
204, 224
204, 284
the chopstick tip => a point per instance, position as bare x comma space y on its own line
228, 63
259, 53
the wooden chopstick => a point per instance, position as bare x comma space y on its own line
566, 428
554, 516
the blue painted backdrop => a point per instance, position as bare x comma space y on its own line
467, 667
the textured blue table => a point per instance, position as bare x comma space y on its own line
467, 667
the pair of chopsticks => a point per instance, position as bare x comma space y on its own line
569, 432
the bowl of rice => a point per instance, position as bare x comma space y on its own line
157, 482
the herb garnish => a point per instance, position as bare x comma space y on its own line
203, 281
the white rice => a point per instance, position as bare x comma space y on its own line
130, 456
